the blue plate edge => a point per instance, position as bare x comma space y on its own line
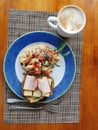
47, 33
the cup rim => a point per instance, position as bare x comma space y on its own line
84, 16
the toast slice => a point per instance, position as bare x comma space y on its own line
37, 88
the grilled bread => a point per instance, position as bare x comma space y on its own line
35, 89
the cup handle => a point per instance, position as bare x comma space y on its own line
51, 21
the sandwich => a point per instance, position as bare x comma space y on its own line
36, 88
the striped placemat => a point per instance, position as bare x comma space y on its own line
20, 22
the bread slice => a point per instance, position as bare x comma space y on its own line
37, 94
27, 92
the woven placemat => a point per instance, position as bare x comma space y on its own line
20, 22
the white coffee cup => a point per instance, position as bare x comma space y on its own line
70, 20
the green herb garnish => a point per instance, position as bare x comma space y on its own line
61, 47
57, 65
66, 54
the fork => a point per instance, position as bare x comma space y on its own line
49, 108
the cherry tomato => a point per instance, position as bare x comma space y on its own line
37, 71
33, 66
47, 72
27, 60
38, 65
41, 58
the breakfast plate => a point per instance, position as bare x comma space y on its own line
63, 73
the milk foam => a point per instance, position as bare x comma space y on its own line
71, 19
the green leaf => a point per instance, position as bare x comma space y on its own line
61, 47
57, 65
66, 54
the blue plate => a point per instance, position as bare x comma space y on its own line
63, 74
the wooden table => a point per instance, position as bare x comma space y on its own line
89, 78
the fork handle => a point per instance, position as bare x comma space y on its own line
13, 100
24, 108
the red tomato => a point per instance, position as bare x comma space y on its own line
33, 66
41, 58
38, 65
35, 55
27, 60
47, 72
37, 71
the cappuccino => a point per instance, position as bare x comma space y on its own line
71, 19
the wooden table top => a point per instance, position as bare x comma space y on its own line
89, 78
